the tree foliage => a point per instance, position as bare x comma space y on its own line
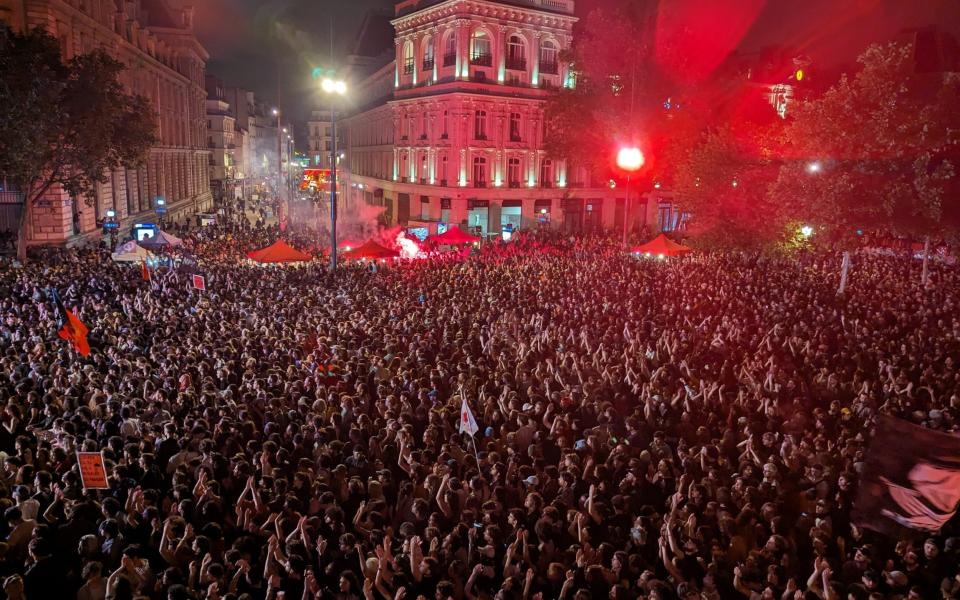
722, 182
884, 143
66, 123
618, 90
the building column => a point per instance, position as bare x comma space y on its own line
463, 48
534, 64
398, 61
500, 52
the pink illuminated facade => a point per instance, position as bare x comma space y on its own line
166, 64
457, 137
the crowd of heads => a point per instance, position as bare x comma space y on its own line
656, 429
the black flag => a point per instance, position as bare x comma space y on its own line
911, 479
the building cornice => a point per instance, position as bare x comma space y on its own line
429, 16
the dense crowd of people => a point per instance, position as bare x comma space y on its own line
656, 429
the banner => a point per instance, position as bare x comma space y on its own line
199, 283
93, 472
911, 479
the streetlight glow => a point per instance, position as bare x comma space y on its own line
814, 167
806, 231
275, 112
630, 159
334, 86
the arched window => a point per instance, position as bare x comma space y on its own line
428, 54
513, 172
480, 172
516, 53
549, 56
450, 51
546, 173
408, 58
480, 53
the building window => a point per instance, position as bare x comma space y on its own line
450, 51
480, 53
408, 58
479, 172
516, 53
548, 57
428, 54
443, 171
546, 173
424, 208
480, 125
513, 172
514, 127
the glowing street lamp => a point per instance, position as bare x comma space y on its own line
630, 159
334, 86
337, 87
806, 231
814, 167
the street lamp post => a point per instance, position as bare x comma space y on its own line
338, 87
630, 160
276, 113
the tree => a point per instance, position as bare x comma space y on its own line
617, 94
65, 124
722, 182
876, 152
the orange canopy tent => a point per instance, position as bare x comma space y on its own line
279, 252
370, 250
454, 237
661, 245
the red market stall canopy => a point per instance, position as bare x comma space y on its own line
370, 250
661, 245
349, 244
454, 237
278, 252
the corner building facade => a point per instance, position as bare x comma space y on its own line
458, 138
165, 63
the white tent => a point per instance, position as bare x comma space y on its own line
161, 240
131, 252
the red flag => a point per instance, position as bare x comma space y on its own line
71, 328
144, 271
75, 332
199, 283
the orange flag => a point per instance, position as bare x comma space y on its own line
144, 271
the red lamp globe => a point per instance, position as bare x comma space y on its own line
630, 159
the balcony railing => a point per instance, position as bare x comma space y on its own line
428, 64
408, 66
443, 183
482, 60
480, 183
449, 59
514, 184
549, 68
480, 136
515, 137
517, 63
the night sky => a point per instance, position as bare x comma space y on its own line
252, 41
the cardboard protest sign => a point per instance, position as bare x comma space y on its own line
93, 472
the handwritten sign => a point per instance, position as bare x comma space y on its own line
199, 283
93, 473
